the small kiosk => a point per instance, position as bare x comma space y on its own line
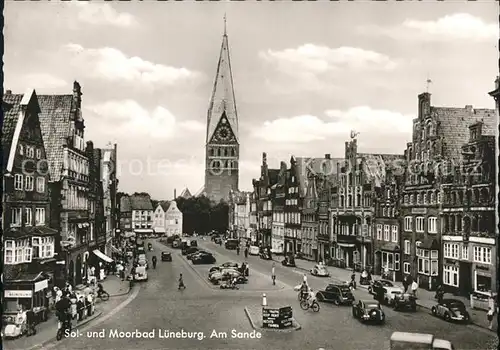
31, 292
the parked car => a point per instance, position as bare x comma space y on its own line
451, 310
405, 340
405, 301
320, 271
265, 255
379, 284
254, 250
189, 250
166, 256
289, 261
226, 275
226, 265
140, 274
143, 262
176, 243
368, 311
231, 244
389, 294
196, 253
205, 258
339, 294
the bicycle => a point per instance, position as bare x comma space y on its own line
64, 330
103, 295
304, 305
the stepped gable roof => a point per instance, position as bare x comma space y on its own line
376, 165
11, 106
307, 166
164, 205
55, 120
125, 205
141, 202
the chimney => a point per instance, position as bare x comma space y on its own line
327, 156
175, 193
77, 94
8, 92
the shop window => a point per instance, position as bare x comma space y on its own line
483, 283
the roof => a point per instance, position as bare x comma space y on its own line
223, 99
454, 126
375, 166
315, 166
186, 193
140, 202
164, 205
55, 121
11, 106
125, 205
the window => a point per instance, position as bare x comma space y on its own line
419, 224
406, 267
384, 211
387, 236
38, 153
450, 250
405, 200
40, 184
411, 199
30, 151
396, 261
27, 254
379, 232
28, 218
465, 252
418, 199
91, 232
424, 198
9, 252
21, 150
439, 197
17, 215
28, 183
407, 247
394, 233
423, 266
482, 255
408, 223
432, 224
18, 181
35, 243
450, 275
39, 216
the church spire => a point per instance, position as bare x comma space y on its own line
222, 100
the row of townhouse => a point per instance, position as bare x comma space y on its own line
53, 218
427, 214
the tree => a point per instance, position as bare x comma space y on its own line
202, 215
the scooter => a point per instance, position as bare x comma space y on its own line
14, 330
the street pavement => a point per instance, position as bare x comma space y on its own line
199, 308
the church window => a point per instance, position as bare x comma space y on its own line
225, 152
232, 152
227, 164
212, 152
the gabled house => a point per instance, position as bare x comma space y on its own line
142, 214
29, 242
167, 218
277, 195
239, 214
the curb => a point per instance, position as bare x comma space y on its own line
121, 294
296, 325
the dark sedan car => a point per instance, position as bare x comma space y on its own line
339, 294
226, 265
368, 311
192, 255
451, 310
405, 301
288, 261
377, 286
205, 258
166, 256
189, 250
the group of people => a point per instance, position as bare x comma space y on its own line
75, 306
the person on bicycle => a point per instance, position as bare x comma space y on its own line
153, 260
63, 307
311, 297
304, 290
181, 282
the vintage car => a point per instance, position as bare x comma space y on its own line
451, 310
405, 301
226, 275
405, 341
196, 253
143, 262
226, 265
320, 271
189, 250
265, 255
254, 250
232, 244
140, 274
177, 243
166, 256
289, 261
203, 258
376, 285
389, 294
368, 311
339, 294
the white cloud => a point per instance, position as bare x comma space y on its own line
193, 125
316, 59
308, 128
128, 117
94, 13
42, 81
457, 26
112, 64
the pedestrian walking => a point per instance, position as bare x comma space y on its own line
273, 275
238, 250
181, 282
246, 252
414, 287
490, 315
305, 278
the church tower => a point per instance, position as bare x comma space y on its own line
222, 143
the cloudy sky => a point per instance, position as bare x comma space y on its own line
305, 74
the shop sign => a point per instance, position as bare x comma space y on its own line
41, 285
18, 294
419, 210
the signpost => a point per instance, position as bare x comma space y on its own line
278, 318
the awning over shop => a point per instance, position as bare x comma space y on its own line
346, 245
102, 256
